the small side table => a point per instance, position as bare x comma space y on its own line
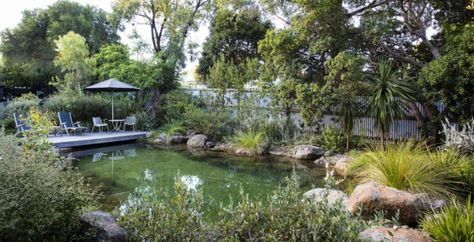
116, 124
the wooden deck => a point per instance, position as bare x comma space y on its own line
94, 138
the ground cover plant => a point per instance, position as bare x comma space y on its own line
154, 213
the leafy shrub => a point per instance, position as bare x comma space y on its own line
332, 139
215, 123
174, 103
35, 139
84, 107
38, 202
453, 223
154, 214
461, 138
252, 142
20, 104
287, 217
411, 167
278, 130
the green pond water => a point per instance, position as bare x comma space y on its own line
118, 169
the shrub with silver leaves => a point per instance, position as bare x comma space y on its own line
459, 136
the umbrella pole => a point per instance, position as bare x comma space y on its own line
112, 105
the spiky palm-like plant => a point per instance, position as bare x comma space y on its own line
388, 99
350, 108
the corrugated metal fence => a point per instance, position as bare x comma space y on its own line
363, 126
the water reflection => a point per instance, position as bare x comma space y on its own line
119, 169
114, 155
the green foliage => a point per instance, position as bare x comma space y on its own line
174, 104
278, 130
453, 223
172, 128
332, 139
449, 78
84, 107
226, 74
178, 106
411, 167
154, 214
215, 123
252, 142
73, 60
387, 101
289, 218
36, 137
170, 22
20, 105
113, 61
462, 167
233, 38
37, 200
28, 48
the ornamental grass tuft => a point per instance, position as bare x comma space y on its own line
253, 142
412, 167
453, 223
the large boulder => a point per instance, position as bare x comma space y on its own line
372, 197
242, 152
333, 160
278, 151
341, 169
107, 227
197, 141
307, 152
400, 234
221, 147
333, 196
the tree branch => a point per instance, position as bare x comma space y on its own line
398, 56
371, 5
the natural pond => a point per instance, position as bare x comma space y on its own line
118, 170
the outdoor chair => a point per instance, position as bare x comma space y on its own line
20, 122
130, 121
66, 123
97, 122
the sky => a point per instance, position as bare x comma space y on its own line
11, 13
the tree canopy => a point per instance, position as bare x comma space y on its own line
28, 48
113, 61
233, 37
73, 59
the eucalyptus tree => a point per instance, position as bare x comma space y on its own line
169, 21
28, 48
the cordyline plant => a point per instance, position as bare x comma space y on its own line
459, 137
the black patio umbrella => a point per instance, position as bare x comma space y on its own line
112, 85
